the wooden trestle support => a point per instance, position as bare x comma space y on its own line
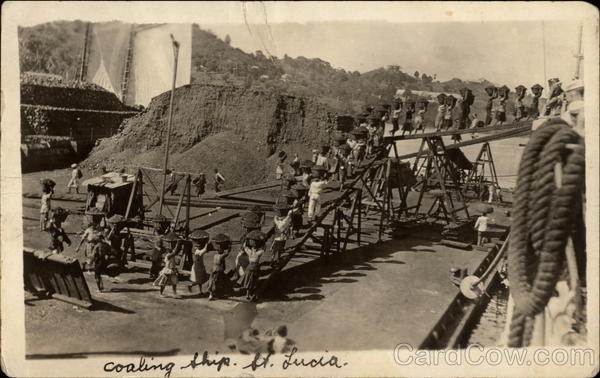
441, 175
377, 178
483, 173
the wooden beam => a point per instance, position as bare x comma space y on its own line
74, 301
180, 202
246, 189
504, 135
513, 126
218, 221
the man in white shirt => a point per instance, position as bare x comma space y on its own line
219, 179
481, 225
314, 192
74, 181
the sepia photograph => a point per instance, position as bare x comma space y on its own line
299, 188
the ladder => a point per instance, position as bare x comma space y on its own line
128, 63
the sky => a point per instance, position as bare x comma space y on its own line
498, 41
510, 53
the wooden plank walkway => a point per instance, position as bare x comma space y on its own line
512, 133
489, 129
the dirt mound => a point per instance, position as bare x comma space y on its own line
235, 129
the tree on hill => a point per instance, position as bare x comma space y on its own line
426, 79
53, 48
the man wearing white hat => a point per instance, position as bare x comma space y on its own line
75, 176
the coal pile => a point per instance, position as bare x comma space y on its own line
54, 106
238, 130
53, 91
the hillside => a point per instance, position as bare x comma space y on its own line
53, 48
215, 61
56, 47
240, 110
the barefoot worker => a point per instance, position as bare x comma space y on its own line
283, 227
90, 237
58, 236
98, 260
481, 225
200, 184
314, 192
45, 207
219, 180
255, 247
199, 275
168, 275
218, 282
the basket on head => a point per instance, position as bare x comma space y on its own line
161, 224
345, 148
281, 204
113, 268
221, 241
256, 235
319, 170
115, 219
340, 139
300, 190
360, 132
95, 212
289, 196
199, 235
250, 220
290, 181
170, 237
307, 164
60, 214
490, 90
537, 87
487, 210
257, 210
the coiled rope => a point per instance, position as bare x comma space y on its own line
542, 222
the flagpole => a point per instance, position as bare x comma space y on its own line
544, 51
579, 54
169, 124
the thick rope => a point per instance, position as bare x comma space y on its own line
543, 216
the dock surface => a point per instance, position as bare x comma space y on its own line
328, 305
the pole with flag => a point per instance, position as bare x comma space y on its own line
169, 124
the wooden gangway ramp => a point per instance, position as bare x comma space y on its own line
517, 126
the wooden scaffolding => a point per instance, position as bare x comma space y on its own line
439, 174
483, 173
